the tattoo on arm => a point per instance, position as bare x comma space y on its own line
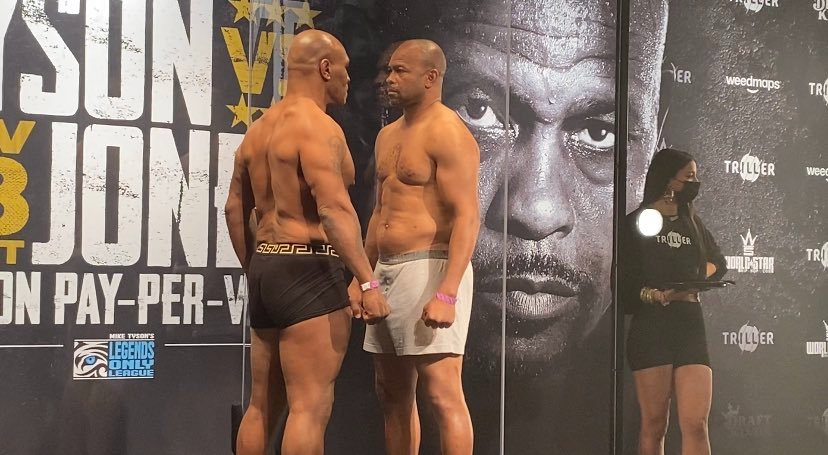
337, 146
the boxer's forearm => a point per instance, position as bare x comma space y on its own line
461, 246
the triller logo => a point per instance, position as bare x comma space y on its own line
680, 76
755, 6
819, 88
819, 255
750, 168
748, 338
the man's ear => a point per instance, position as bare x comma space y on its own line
431, 77
325, 69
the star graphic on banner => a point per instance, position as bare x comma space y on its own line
273, 11
243, 9
305, 15
242, 112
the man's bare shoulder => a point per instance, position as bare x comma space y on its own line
446, 120
446, 131
388, 131
297, 115
391, 127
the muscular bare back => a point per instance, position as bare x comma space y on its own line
417, 165
271, 153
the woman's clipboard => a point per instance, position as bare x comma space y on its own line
700, 285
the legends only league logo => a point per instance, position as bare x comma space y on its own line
90, 359
750, 168
122, 356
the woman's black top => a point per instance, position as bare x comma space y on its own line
670, 256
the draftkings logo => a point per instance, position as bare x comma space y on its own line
819, 348
743, 426
818, 255
752, 84
673, 239
821, 6
819, 89
750, 168
748, 262
755, 6
122, 356
748, 338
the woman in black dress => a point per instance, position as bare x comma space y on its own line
666, 345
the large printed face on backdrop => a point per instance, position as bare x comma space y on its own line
555, 147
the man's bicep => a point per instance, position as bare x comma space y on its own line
321, 164
458, 165
238, 179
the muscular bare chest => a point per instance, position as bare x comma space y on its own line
403, 157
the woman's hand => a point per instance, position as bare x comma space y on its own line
711, 269
670, 295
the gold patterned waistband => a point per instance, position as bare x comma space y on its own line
298, 249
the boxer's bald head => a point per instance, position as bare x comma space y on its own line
318, 61
416, 71
428, 52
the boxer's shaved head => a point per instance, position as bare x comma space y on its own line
317, 62
430, 54
310, 47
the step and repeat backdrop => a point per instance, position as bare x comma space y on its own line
744, 90
122, 322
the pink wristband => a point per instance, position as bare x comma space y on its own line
445, 298
373, 284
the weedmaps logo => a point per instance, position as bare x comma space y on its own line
750, 168
748, 262
122, 356
752, 84
755, 6
821, 6
813, 171
819, 255
819, 348
748, 338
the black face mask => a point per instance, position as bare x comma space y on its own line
688, 192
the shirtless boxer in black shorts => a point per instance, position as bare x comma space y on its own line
294, 168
